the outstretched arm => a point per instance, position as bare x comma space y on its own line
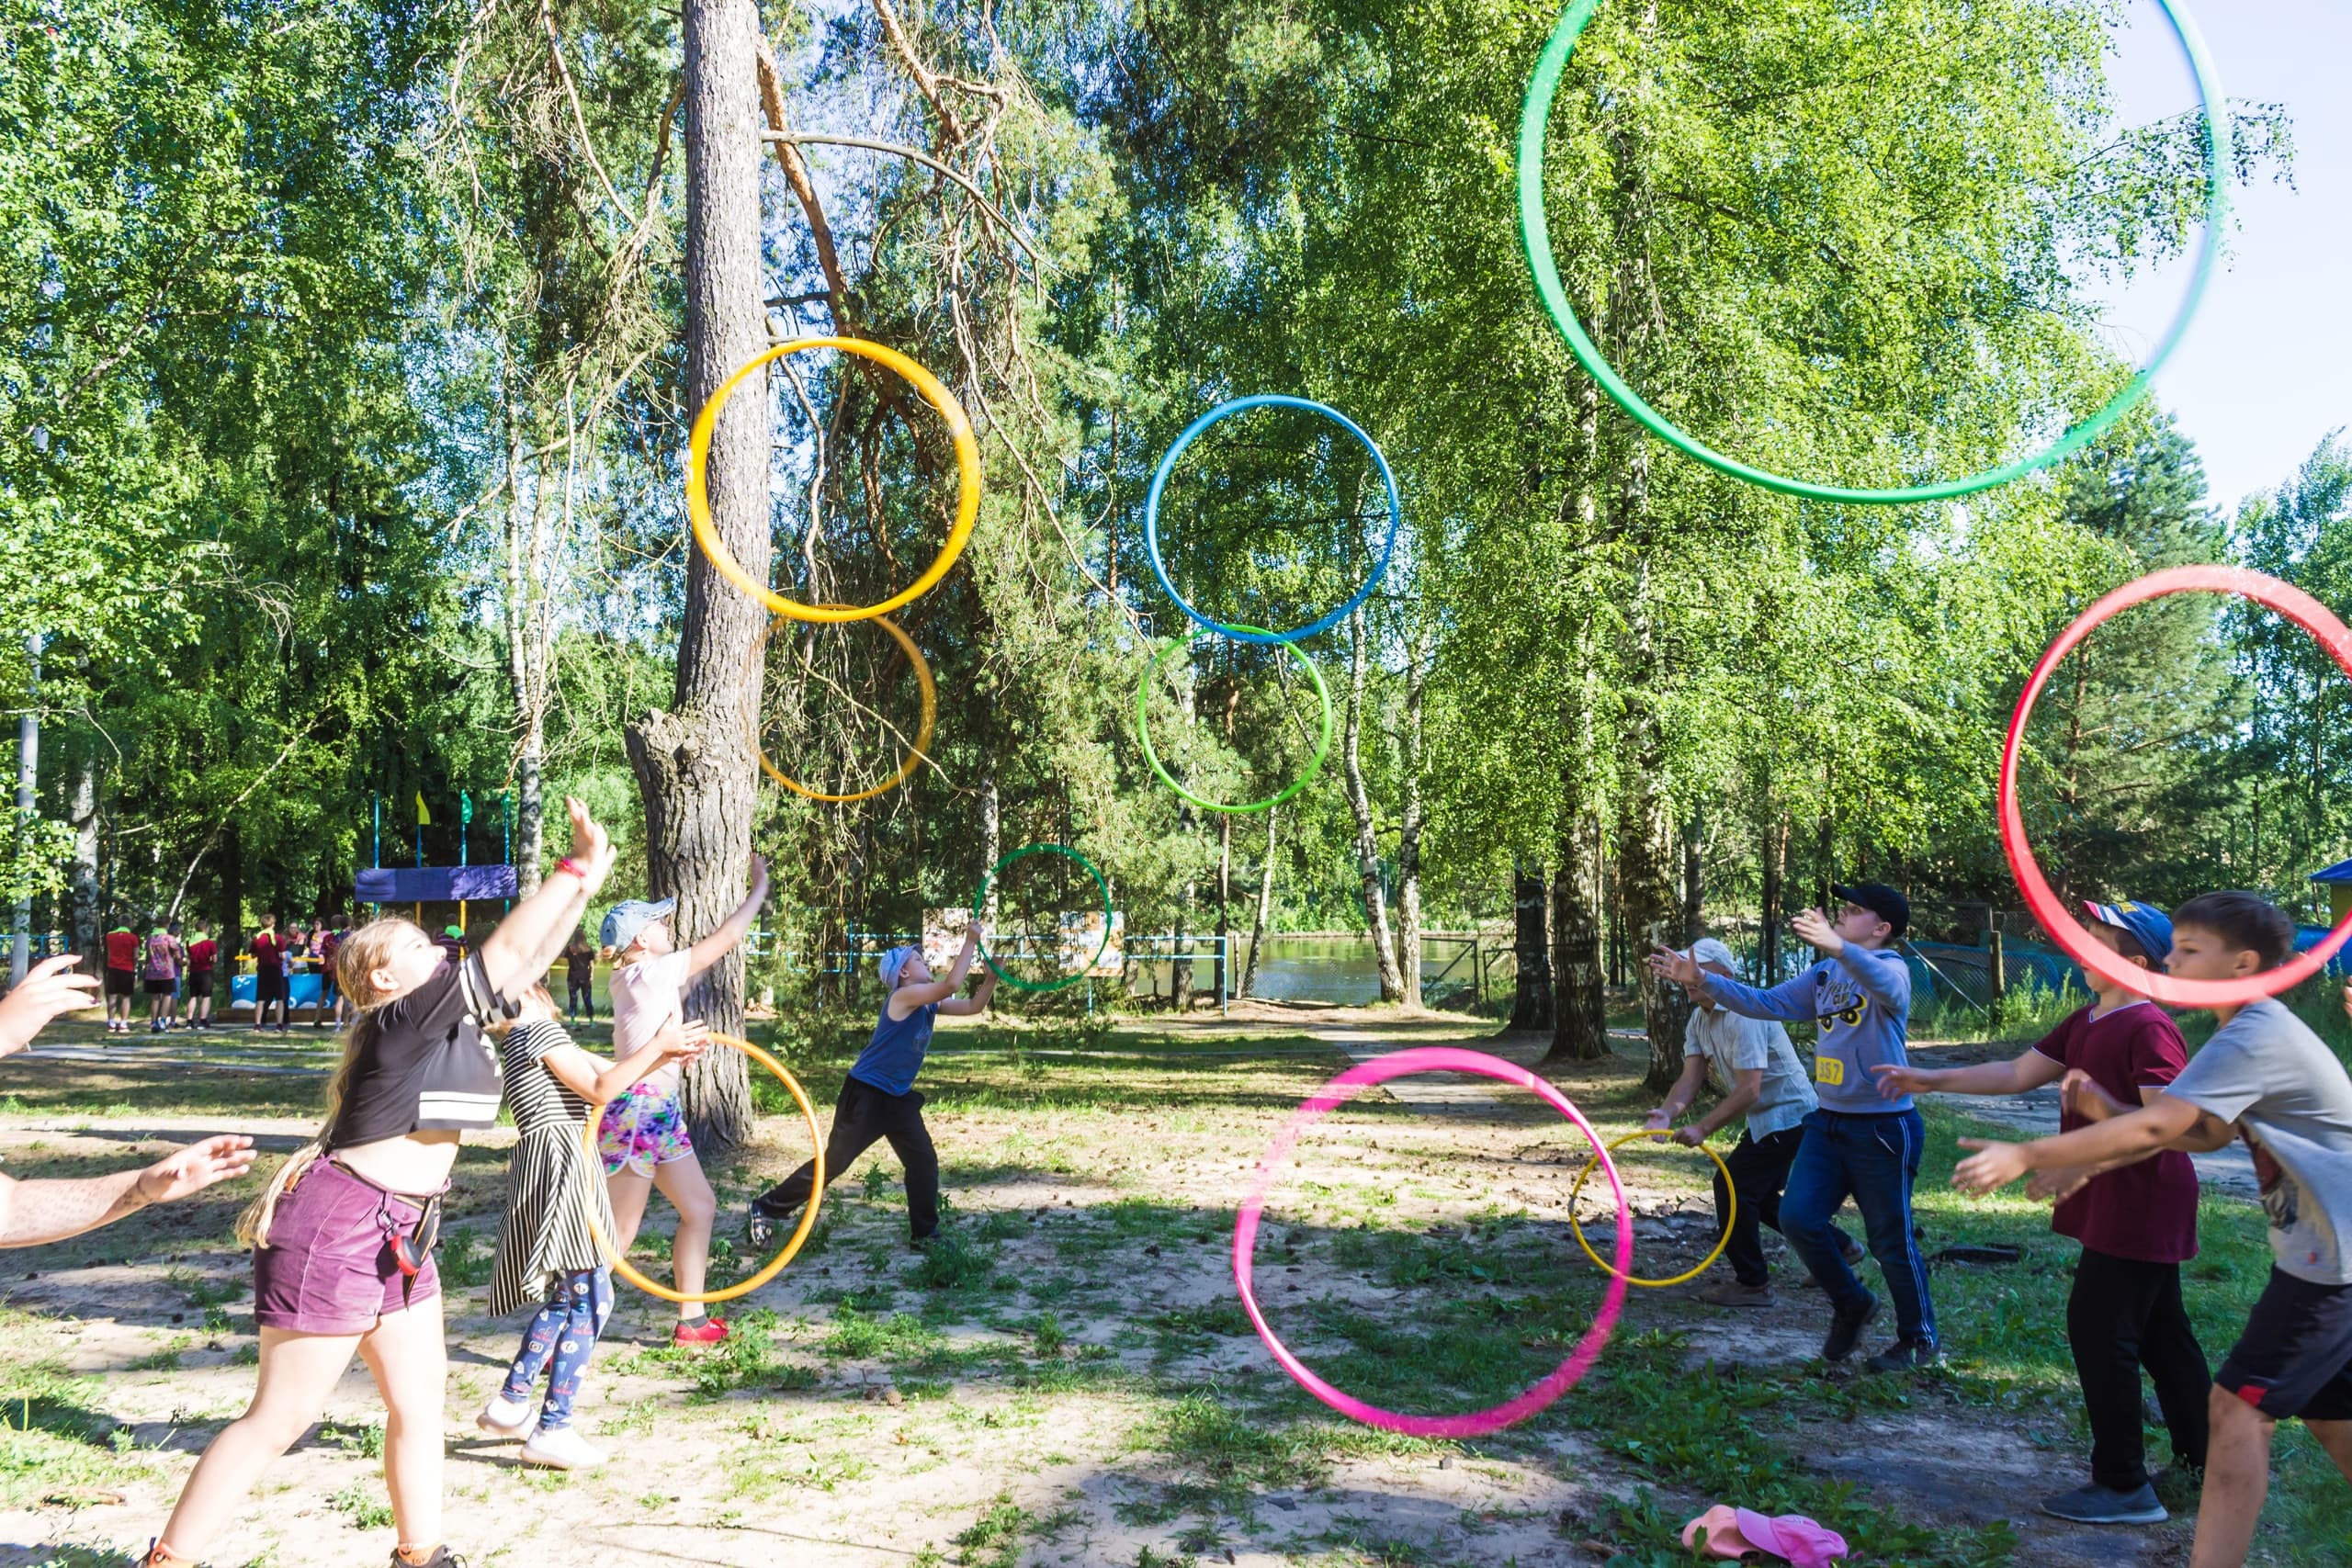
600, 1082
721, 943
2030, 1070
518, 953
978, 1002
32, 1213
2121, 1140
947, 985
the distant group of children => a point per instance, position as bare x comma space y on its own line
178, 972
2134, 1106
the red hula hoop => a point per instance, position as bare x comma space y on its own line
2064, 929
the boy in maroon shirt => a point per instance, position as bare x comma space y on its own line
122, 978
203, 954
269, 975
2137, 1224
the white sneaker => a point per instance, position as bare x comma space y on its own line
504, 1417
563, 1449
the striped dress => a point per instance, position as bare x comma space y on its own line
550, 1180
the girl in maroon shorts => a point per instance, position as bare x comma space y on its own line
342, 1237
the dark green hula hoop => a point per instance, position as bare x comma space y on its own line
1535, 232
980, 899
1143, 729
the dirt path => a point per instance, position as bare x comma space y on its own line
1071, 1381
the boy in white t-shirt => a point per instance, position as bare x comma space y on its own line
642, 1135
1765, 1089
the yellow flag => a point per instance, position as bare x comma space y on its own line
424, 819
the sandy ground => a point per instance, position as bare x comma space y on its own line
1020, 1420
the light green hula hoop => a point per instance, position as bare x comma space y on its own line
1143, 729
1535, 232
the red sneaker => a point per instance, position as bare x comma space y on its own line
712, 1331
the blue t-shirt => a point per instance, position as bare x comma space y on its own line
1860, 1001
893, 1057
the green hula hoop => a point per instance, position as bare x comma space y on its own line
1143, 728
1535, 232
981, 898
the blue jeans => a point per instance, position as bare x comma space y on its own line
1874, 1159
564, 1333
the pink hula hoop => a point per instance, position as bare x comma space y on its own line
2056, 918
1338, 1092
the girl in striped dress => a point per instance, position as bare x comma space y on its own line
546, 1255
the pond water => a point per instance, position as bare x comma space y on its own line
1308, 969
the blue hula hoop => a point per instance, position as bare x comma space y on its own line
1167, 467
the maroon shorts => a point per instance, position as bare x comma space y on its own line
329, 1268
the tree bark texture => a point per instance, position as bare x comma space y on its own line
1375, 901
82, 812
1530, 1004
1266, 903
1775, 857
1579, 1008
1409, 838
696, 767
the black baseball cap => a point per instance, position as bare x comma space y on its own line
1880, 900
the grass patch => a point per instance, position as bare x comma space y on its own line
363, 1503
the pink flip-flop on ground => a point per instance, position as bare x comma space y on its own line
1737, 1532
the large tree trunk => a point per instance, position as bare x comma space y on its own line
1579, 1007
1408, 840
1376, 902
696, 768
1694, 879
1530, 1004
1265, 902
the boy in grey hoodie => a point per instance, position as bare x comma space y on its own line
1856, 1145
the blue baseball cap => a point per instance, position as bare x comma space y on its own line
894, 964
2144, 923
631, 916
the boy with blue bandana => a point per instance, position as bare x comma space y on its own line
1857, 1144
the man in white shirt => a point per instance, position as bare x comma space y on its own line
1752, 1059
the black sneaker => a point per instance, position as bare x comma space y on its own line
2096, 1504
1846, 1330
442, 1558
759, 1225
1906, 1355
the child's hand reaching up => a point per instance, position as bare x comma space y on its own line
1668, 963
592, 847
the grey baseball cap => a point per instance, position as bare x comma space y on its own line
630, 916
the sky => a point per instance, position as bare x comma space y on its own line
2266, 371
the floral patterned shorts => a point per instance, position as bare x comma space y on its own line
642, 1129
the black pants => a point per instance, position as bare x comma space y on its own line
581, 1000
1759, 1169
863, 1116
2124, 1315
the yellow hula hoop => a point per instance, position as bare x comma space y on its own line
967, 491
622, 1267
922, 731
1731, 1212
